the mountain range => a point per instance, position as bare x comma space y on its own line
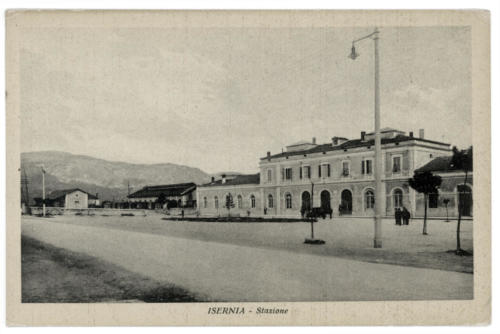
111, 180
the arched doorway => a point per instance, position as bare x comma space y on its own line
345, 202
397, 198
465, 200
306, 202
325, 200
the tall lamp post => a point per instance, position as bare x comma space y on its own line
377, 240
43, 192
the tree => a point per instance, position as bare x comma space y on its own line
229, 203
425, 183
461, 160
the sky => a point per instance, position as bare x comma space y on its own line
220, 98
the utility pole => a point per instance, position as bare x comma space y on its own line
43, 192
311, 208
25, 193
379, 193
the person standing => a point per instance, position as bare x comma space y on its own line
397, 216
406, 216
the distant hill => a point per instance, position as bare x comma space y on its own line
107, 178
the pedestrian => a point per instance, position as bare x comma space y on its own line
406, 216
397, 216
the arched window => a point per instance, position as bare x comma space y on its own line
270, 202
240, 202
465, 200
397, 198
216, 202
369, 199
288, 200
205, 202
229, 202
252, 201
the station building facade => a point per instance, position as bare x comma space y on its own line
337, 175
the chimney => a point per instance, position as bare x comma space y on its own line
421, 133
363, 133
268, 156
335, 141
411, 134
223, 178
314, 140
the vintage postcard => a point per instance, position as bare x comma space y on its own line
248, 167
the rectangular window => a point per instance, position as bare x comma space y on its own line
288, 173
345, 168
328, 170
269, 175
396, 164
433, 200
300, 173
308, 172
367, 167
319, 170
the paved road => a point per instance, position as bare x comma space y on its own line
225, 272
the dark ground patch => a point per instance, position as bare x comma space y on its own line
56, 275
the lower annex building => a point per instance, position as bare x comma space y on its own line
339, 176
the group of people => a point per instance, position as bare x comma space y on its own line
403, 215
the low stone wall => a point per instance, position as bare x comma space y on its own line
178, 212
57, 211
51, 211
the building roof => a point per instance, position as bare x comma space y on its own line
301, 142
56, 194
385, 130
439, 164
238, 180
169, 190
353, 143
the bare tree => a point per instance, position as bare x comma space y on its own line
462, 160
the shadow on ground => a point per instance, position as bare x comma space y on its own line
56, 275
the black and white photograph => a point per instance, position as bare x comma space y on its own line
223, 164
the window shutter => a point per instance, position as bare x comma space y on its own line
363, 167
282, 173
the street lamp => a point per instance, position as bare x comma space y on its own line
377, 240
43, 192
